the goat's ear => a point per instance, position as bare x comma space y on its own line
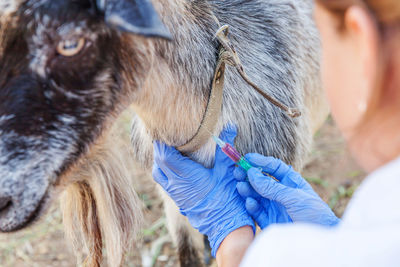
133, 16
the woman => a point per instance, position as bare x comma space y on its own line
361, 63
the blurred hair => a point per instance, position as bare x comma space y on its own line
385, 11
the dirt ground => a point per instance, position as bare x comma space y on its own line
331, 170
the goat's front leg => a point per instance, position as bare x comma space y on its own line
188, 241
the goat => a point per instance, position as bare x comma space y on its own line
69, 67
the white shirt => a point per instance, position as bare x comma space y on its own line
369, 234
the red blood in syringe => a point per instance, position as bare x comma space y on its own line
231, 152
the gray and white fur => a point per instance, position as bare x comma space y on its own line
279, 48
58, 110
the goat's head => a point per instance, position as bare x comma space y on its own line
61, 79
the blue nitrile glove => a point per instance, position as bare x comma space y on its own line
293, 199
208, 197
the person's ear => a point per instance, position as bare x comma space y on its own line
362, 30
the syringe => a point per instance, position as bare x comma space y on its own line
234, 155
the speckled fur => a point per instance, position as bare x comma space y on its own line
279, 47
268, 44
168, 85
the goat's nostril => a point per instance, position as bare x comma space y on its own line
4, 202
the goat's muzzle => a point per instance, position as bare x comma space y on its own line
19, 210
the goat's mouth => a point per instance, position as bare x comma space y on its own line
14, 216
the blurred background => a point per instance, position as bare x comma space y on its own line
331, 170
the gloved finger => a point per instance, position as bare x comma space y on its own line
239, 174
160, 177
245, 190
271, 165
302, 183
258, 212
268, 188
173, 163
227, 135
276, 168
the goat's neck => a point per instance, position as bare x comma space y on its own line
175, 94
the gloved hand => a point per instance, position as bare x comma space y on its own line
293, 199
208, 197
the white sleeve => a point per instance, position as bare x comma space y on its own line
369, 234
289, 245
315, 246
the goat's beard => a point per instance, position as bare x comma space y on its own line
100, 206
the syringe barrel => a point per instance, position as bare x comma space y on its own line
244, 164
234, 155
231, 152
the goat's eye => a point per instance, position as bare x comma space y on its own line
69, 48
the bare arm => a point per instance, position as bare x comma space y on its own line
234, 246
